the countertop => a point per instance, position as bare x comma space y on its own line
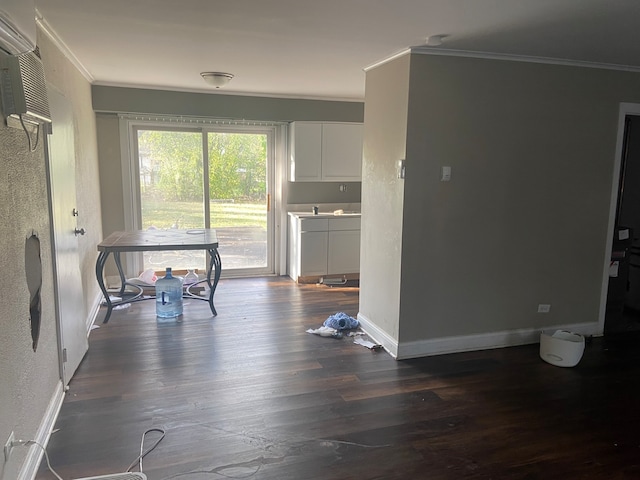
324, 214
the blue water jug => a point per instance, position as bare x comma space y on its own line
168, 296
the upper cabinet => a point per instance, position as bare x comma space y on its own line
325, 152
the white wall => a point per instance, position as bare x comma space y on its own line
385, 129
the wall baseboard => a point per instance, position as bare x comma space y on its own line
389, 343
465, 343
93, 313
34, 455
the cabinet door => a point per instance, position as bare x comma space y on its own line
342, 152
313, 253
344, 252
305, 150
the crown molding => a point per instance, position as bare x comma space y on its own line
48, 30
387, 59
424, 50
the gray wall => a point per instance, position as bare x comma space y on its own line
524, 218
164, 102
28, 379
385, 129
108, 101
323, 192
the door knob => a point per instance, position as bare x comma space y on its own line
80, 231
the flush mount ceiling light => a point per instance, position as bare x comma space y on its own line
217, 79
435, 40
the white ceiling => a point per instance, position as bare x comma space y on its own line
318, 49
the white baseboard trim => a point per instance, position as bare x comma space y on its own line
93, 313
389, 343
34, 455
465, 343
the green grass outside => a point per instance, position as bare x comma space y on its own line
191, 214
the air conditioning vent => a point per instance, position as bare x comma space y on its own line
24, 89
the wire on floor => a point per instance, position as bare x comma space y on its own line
28, 443
143, 452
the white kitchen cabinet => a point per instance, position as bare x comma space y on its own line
343, 252
313, 253
323, 245
305, 152
342, 152
325, 152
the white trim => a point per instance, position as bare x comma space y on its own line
465, 343
389, 343
48, 30
387, 59
522, 58
486, 341
423, 50
93, 312
279, 196
34, 455
133, 261
625, 110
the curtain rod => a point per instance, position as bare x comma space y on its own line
185, 120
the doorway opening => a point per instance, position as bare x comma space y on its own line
623, 292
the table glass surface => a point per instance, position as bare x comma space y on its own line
146, 240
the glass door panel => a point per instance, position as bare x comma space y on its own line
195, 178
171, 191
239, 197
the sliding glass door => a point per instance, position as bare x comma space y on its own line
216, 177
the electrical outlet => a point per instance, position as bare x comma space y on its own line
544, 308
8, 446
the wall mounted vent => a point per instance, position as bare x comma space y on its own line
24, 89
17, 26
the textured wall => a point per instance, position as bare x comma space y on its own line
27, 378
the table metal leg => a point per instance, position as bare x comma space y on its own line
123, 280
215, 266
102, 260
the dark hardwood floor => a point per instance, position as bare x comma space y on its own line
248, 394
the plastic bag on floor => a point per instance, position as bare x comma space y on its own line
341, 321
325, 332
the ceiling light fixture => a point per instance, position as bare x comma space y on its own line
217, 79
435, 40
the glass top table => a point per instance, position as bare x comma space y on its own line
157, 240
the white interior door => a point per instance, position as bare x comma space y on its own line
72, 331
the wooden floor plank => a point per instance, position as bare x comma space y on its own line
250, 394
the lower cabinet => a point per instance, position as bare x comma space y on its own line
343, 252
313, 253
323, 245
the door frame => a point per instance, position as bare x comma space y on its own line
625, 110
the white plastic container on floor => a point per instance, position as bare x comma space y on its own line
563, 348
